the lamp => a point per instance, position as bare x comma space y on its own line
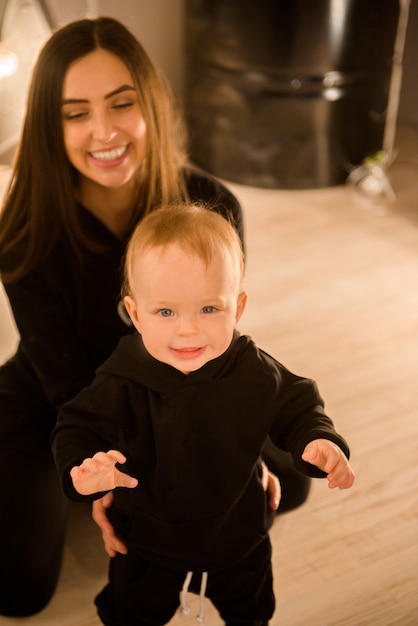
8, 62
25, 26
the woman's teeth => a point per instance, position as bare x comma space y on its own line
108, 155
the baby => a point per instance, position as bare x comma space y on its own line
178, 416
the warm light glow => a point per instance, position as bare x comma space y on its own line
8, 62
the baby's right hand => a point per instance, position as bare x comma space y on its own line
99, 473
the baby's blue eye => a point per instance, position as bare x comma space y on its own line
208, 309
165, 312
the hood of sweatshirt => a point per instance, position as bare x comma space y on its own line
132, 361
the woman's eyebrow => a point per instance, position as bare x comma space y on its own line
115, 92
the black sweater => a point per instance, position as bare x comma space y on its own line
66, 310
194, 443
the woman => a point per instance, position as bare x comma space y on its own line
99, 150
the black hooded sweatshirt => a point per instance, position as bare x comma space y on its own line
194, 443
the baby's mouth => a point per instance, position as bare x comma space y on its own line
187, 353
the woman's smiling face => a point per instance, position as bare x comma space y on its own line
104, 129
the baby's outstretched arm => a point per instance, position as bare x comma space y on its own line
330, 459
99, 474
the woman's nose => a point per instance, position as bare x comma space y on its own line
103, 128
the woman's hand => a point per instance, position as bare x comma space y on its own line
112, 543
271, 485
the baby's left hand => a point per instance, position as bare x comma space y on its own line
330, 459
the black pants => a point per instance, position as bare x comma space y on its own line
32, 505
140, 593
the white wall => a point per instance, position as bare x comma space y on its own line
156, 23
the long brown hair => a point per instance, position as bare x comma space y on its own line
40, 204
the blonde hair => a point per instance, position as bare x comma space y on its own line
196, 228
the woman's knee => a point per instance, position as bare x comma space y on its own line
33, 506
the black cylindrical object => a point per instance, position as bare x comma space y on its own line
287, 93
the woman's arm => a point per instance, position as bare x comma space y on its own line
49, 344
66, 312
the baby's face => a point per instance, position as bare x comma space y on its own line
186, 312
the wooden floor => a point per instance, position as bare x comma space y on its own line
333, 285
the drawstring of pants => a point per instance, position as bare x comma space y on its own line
184, 607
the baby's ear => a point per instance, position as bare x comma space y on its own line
130, 306
241, 303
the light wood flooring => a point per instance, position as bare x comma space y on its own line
333, 294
